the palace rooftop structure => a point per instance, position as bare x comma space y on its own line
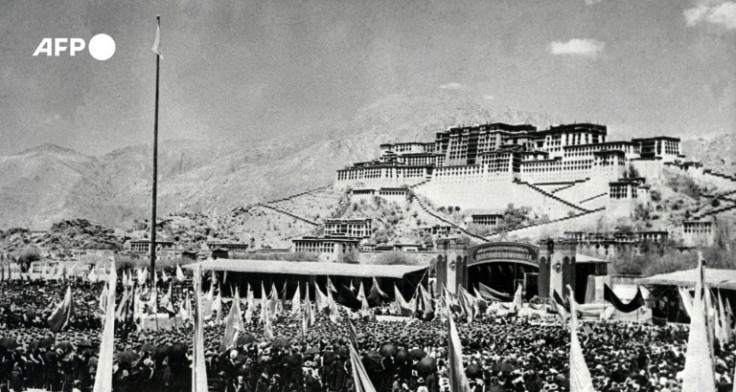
564, 170
560, 153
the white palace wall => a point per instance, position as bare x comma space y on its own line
493, 192
588, 221
649, 169
378, 182
555, 176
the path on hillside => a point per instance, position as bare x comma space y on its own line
414, 196
552, 196
554, 221
268, 204
305, 220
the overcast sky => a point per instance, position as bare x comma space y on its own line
234, 69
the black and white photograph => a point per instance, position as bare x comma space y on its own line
368, 196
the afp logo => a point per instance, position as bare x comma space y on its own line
101, 47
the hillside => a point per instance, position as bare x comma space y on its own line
49, 183
63, 236
717, 153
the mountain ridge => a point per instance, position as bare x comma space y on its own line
49, 183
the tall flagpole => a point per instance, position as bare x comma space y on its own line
155, 165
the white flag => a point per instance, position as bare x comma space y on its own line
179, 274
157, 41
251, 303
296, 302
92, 276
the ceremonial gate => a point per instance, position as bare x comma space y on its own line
503, 266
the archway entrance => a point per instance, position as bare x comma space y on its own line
502, 266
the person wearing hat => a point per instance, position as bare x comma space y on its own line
77, 387
312, 382
147, 375
51, 374
263, 383
421, 385
240, 385
432, 382
275, 384
227, 363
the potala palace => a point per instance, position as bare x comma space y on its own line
571, 173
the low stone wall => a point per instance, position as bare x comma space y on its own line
411, 258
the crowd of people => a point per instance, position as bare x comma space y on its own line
501, 353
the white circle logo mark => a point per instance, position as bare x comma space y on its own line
101, 47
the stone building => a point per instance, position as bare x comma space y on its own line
329, 248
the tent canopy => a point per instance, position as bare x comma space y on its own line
308, 268
717, 278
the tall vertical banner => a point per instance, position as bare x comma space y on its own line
458, 379
199, 369
251, 302
360, 375
580, 380
103, 375
698, 375
308, 305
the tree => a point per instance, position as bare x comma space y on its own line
351, 257
479, 229
28, 255
632, 172
395, 258
381, 236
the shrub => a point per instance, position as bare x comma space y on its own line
632, 172
659, 259
479, 229
685, 185
514, 218
629, 266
